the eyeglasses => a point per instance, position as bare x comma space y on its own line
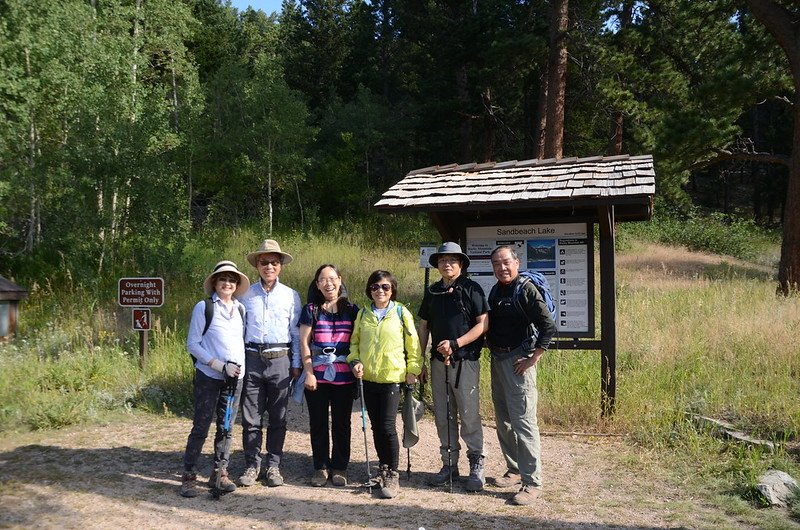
384, 286
265, 262
229, 279
449, 260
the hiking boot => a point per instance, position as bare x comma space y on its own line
508, 480
338, 478
476, 480
249, 476
320, 477
189, 485
391, 483
226, 485
526, 495
442, 478
273, 477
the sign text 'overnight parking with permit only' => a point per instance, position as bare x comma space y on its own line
141, 292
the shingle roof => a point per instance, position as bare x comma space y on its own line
496, 184
11, 291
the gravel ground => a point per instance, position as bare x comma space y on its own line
126, 474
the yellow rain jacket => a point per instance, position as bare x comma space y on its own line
388, 349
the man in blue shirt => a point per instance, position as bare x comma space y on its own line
272, 359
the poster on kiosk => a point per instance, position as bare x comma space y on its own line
562, 252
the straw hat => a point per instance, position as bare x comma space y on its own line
449, 247
226, 266
269, 246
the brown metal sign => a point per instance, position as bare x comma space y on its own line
141, 292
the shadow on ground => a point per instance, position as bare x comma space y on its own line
150, 477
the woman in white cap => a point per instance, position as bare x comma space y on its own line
216, 343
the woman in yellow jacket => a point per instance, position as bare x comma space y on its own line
384, 353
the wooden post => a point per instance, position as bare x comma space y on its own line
608, 311
143, 345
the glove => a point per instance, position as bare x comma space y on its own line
232, 369
217, 365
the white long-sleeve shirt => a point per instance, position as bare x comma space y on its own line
223, 340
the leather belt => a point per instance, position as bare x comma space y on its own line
261, 346
278, 349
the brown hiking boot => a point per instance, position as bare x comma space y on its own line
508, 480
226, 485
338, 477
526, 495
189, 485
391, 483
320, 478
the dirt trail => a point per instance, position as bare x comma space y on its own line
126, 475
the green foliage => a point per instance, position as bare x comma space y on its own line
714, 232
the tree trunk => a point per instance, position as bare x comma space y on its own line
135, 66
617, 116
779, 21
269, 183
490, 125
557, 80
300, 206
466, 121
541, 115
33, 222
789, 268
174, 93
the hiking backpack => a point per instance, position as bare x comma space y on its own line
542, 285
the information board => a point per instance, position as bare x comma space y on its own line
562, 252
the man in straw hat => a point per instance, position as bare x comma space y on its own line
271, 335
215, 342
454, 311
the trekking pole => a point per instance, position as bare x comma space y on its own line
368, 483
230, 387
409, 396
449, 419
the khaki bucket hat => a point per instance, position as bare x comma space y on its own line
269, 246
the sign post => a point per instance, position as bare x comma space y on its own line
141, 294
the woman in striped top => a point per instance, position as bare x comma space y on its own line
326, 324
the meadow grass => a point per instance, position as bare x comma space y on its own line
696, 333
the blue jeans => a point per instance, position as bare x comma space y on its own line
210, 400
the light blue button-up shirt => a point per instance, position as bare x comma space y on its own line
222, 341
272, 316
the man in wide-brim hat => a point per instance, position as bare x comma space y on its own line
272, 355
454, 311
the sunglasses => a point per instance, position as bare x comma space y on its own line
229, 279
384, 286
265, 262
